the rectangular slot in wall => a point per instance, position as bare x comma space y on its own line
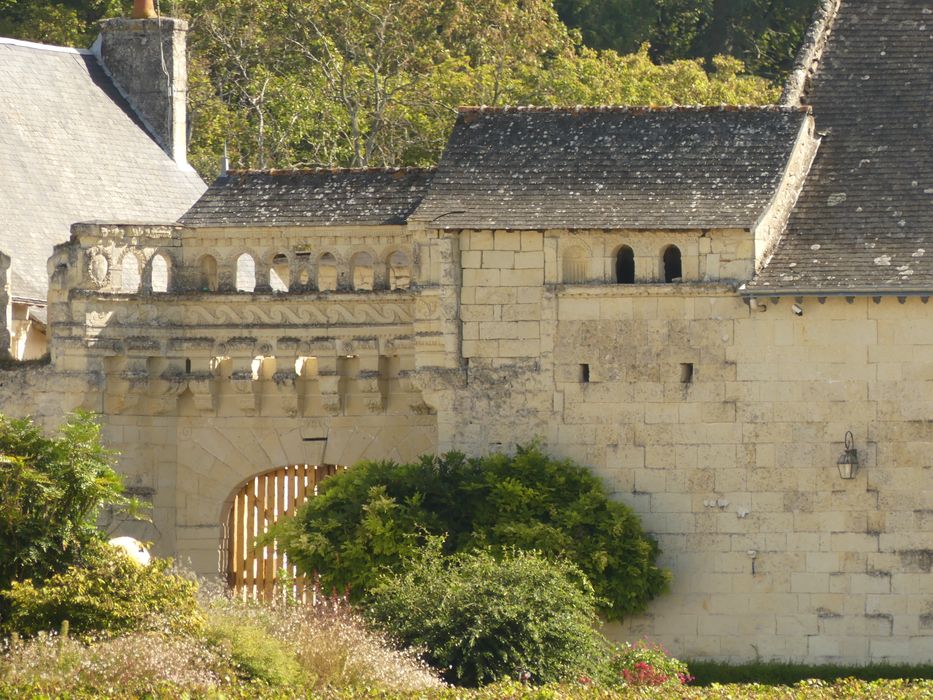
686, 372
584, 374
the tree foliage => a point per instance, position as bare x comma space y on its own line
287, 83
375, 515
764, 34
52, 490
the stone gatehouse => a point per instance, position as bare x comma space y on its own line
699, 303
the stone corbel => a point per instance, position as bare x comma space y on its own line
329, 384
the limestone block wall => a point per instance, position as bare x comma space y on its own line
6, 306
202, 389
721, 426
720, 422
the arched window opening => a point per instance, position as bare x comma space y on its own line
361, 267
130, 284
245, 273
160, 273
327, 273
279, 274
673, 271
399, 271
574, 266
625, 265
208, 267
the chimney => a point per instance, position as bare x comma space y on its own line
145, 57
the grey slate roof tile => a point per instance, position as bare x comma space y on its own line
318, 197
864, 219
610, 167
71, 149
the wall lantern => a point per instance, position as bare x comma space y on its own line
848, 460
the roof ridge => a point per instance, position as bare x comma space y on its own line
630, 109
810, 53
334, 171
44, 47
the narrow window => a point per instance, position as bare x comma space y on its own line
585, 374
625, 265
672, 267
160, 273
279, 273
686, 372
245, 273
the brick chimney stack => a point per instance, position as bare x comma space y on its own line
146, 59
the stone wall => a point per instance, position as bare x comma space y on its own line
718, 420
6, 306
722, 426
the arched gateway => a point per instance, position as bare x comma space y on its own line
263, 500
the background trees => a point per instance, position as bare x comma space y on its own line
284, 83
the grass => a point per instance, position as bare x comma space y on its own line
706, 673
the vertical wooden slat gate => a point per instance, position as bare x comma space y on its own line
265, 499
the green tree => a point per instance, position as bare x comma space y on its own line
52, 490
368, 519
63, 22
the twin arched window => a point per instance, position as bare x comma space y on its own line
574, 267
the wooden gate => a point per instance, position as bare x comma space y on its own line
264, 500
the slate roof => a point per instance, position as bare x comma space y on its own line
864, 219
610, 167
71, 149
319, 197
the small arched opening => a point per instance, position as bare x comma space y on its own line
671, 264
245, 273
573, 266
327, 273
625, 265
361, 269
161, 269
279, 273
208, 274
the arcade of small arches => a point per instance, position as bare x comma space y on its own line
285, 272
575, 266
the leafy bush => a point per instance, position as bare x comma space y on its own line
255, 653
481, 619
108, 593
643, 664
52, 490
360, 523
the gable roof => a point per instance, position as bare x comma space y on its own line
864, 219
610, 167
318, 197
71, 149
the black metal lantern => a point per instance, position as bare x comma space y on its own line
848, 460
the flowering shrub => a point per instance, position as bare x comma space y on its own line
645, 664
